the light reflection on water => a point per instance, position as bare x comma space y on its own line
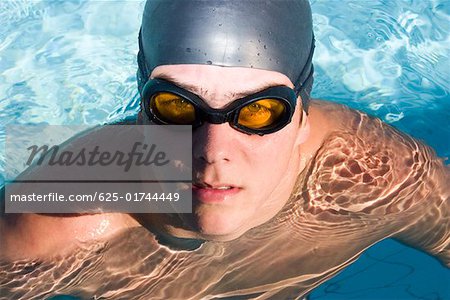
74, 62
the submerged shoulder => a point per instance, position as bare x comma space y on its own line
35, 236
364, 165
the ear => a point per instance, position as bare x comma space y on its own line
304, 130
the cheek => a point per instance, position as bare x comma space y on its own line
275, 149
270, 160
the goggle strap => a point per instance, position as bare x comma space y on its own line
142, 64
304, 79
304, 74
306, 90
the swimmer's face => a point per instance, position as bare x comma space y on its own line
240, 180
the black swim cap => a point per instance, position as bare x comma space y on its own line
273, 35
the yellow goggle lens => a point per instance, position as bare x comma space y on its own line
261, 113
173, 108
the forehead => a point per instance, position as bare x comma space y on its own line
220, 82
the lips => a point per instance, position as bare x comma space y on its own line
214, 193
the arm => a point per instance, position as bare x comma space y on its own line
429, 215
415, 199
390, 183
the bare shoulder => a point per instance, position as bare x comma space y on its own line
35, 236
365, 166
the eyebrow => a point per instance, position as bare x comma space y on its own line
190, 87
201, 91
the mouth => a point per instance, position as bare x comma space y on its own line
214, 193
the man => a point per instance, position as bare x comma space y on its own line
290, 189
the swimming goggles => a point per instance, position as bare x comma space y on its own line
262, 113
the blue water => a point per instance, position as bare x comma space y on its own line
73, 62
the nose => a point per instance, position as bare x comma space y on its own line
213, 143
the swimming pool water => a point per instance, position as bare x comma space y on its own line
74, 62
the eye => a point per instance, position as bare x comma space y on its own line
261, 113
172, 108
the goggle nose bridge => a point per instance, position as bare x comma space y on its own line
217, 117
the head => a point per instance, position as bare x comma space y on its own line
220, 53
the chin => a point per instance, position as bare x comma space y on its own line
220, 226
